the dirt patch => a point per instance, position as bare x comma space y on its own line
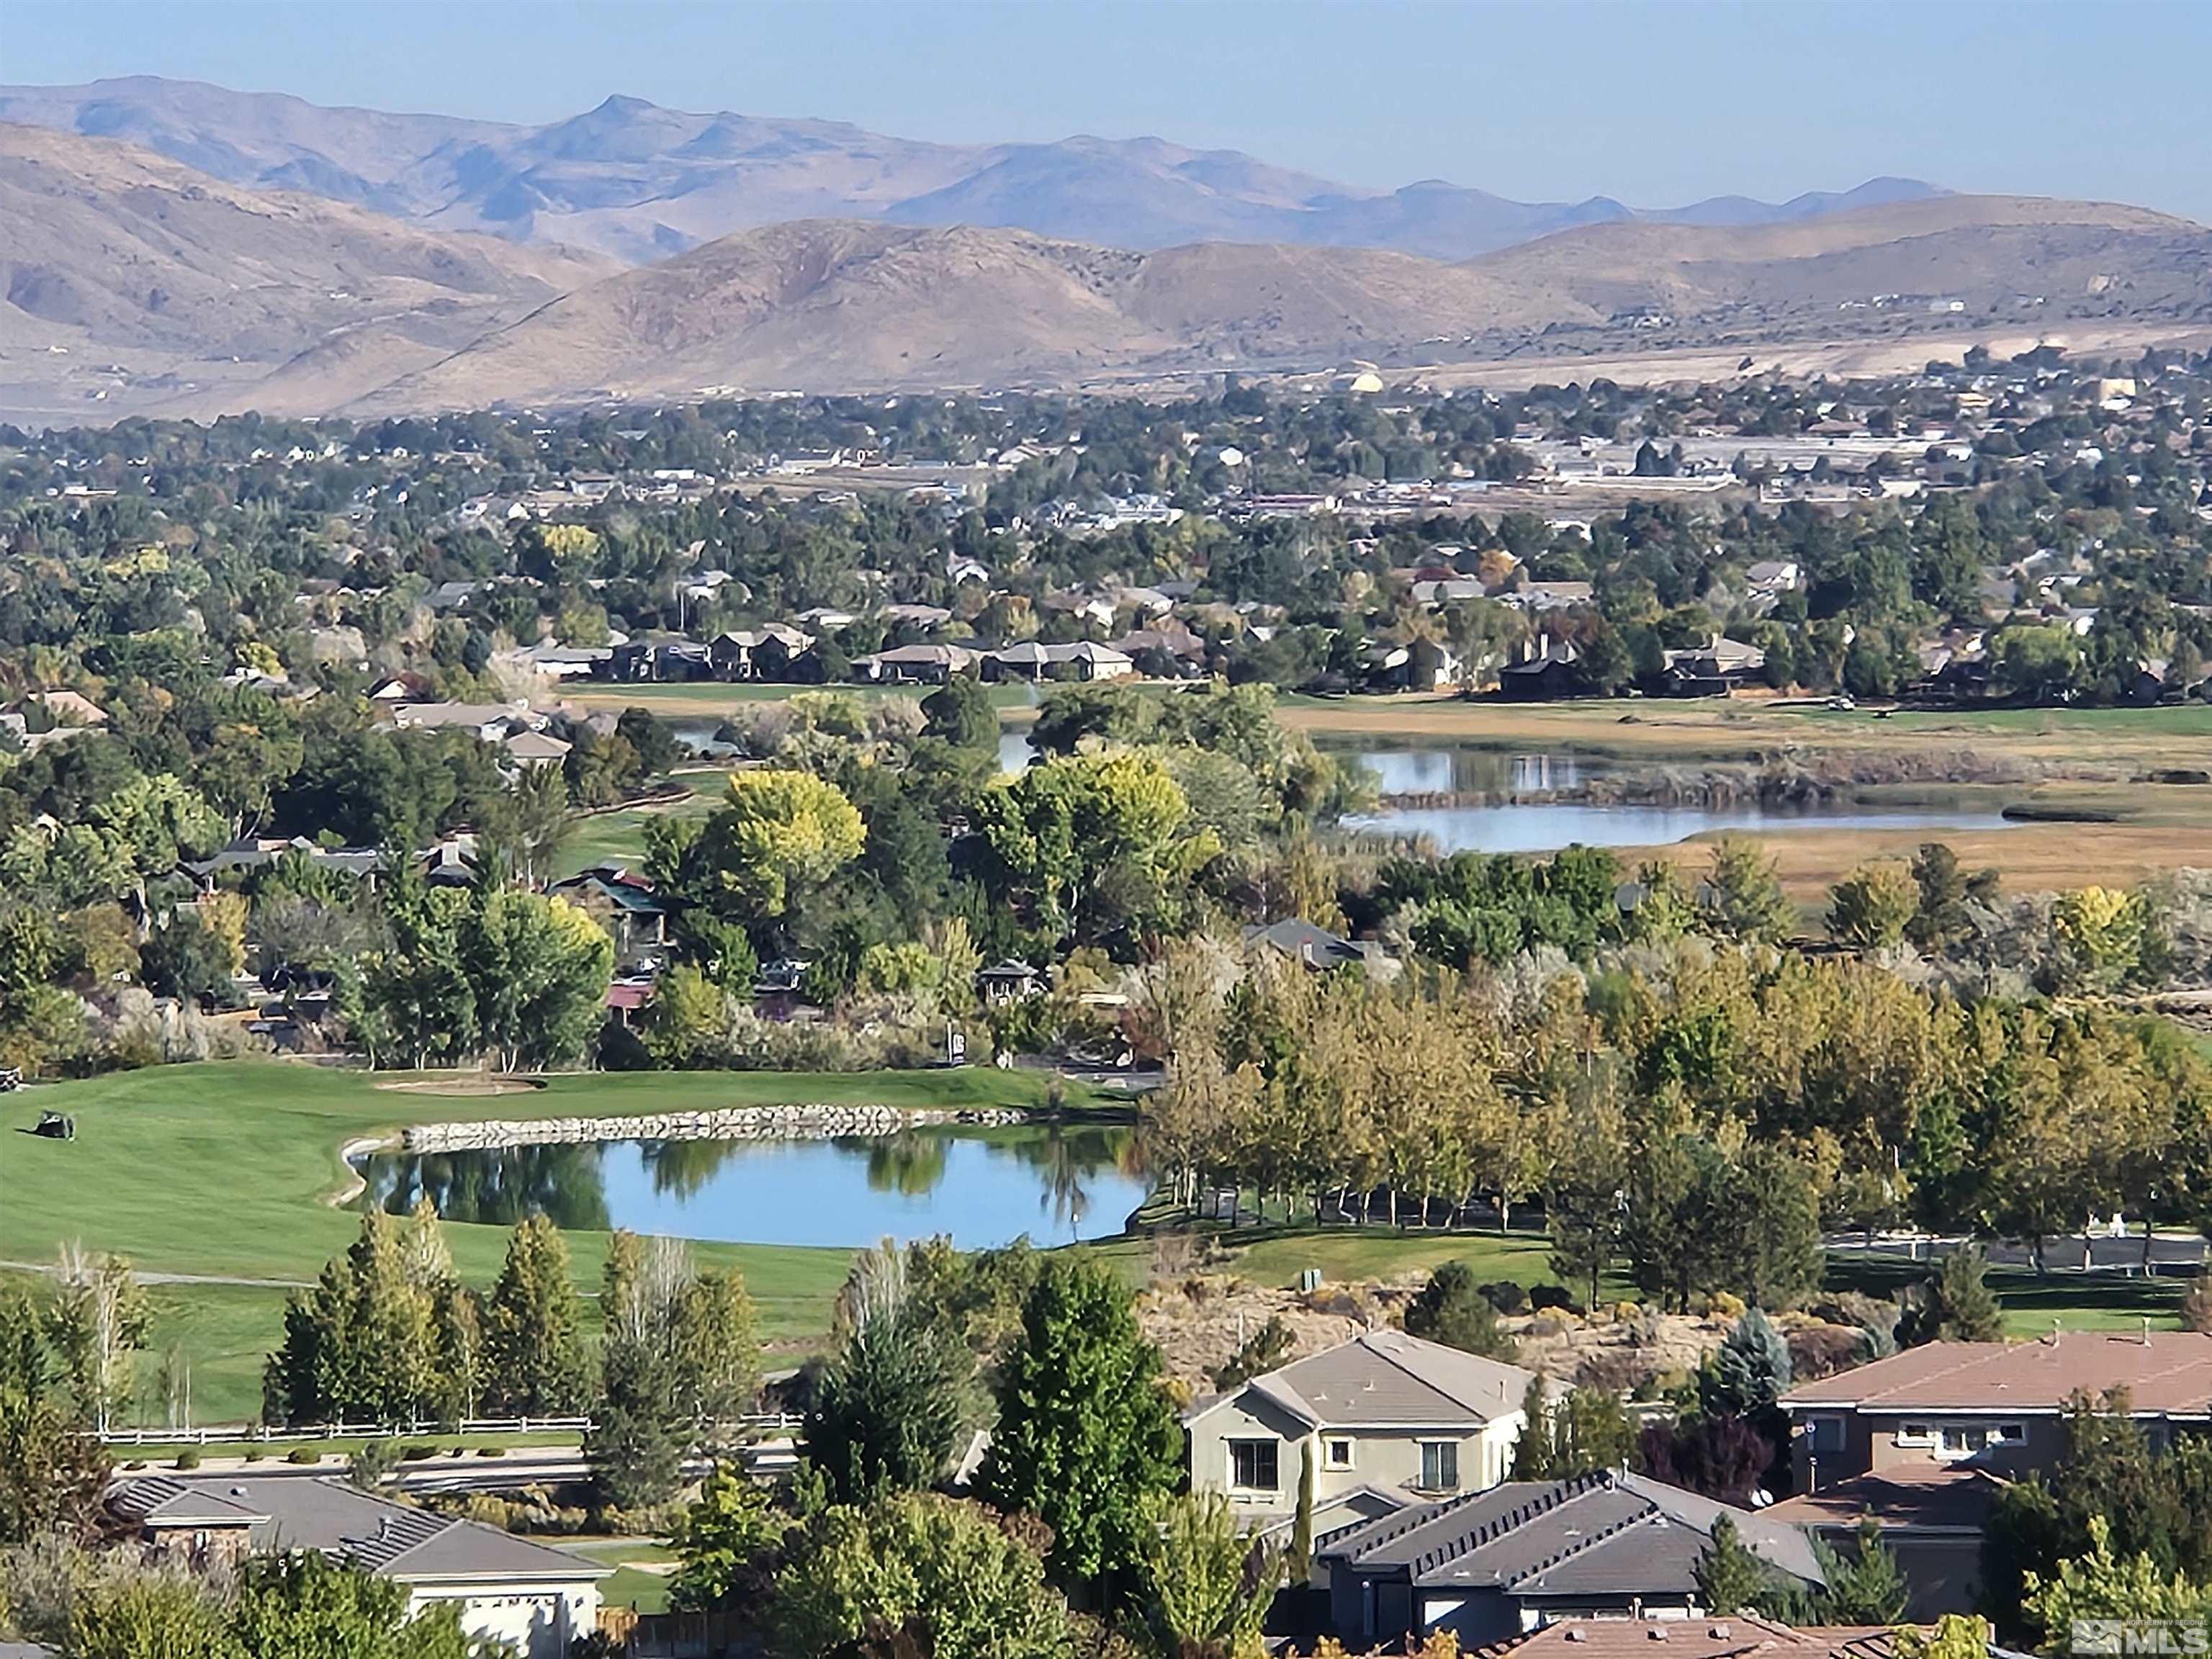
464, 1087
1201, 1321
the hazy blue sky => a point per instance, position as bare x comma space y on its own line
1655, 102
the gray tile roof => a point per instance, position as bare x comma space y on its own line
308, 1512
1608, 1533
159, 1501
1389, 1379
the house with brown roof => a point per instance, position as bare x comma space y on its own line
1921, 1442
1385, 1418
1931, 1522
1738, 1635
1994, 1406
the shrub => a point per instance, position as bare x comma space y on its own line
188, 1458
1504, 1295
254, 1453
1544, 1297
1449, 1310
1818, 1351
2197, 1305
491, 1451
416, 1454
303, 1454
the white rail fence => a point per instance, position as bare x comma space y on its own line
225, 1434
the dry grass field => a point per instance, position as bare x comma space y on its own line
2090, 743
2033, 857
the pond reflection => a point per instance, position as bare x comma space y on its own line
983, 1187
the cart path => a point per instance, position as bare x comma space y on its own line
146, 1277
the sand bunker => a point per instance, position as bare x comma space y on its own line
464, 1085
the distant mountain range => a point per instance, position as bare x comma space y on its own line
639, 183
133, 283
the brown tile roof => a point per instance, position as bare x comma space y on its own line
1737, 1636
1940, 1498
2164, 1372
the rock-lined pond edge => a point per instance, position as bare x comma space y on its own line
791, 1122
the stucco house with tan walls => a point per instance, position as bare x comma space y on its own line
1386, 1418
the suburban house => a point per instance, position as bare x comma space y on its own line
1994, 1406
1931, 1522
1491, 1566
536, 1598
1736, 1636
1418, 665
1383, 1416
531, 750
1315, 947
625, 904
1922, 1440
775, 652
1714, 669
489, 721
1087, 660
1552, 672
1009, 980
916, 665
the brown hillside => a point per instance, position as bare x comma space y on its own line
117, 256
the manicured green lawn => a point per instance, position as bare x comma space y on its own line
2035, 1306
632, 1585
226, 1169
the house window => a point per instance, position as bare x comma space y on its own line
1252, 1465
2012, 1434
1957, 1440
1915, 1434
1824, 1434
1337, 1454
1439, 1466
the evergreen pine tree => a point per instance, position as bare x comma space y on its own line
1750, 1370
1533, 1458
535, 1363
1865, 1587
1451, 1308
886, 1416
1955, 1303
1730, 1578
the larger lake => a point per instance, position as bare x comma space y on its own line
1503, 824
979, 1186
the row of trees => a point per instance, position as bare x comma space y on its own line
1701, 1111
390, 1334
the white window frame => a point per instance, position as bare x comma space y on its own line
1273, 1447
1915, 1434
2009, 1434
1442, 1448
1330, 1444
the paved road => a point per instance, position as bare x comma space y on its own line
2172, 1252
522, 1466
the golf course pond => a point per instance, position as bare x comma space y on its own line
979, 1186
